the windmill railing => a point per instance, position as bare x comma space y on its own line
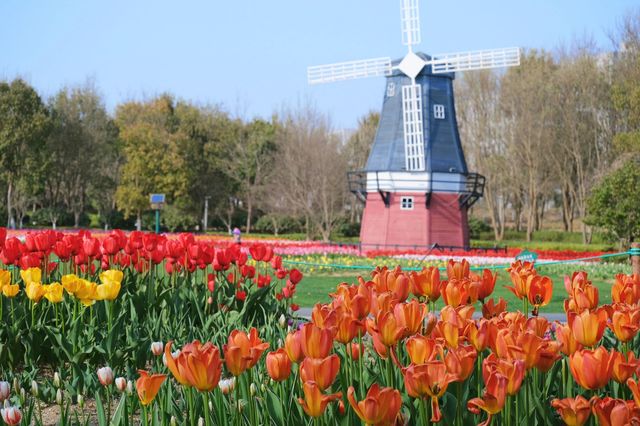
469, 186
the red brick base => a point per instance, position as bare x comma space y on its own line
444, 222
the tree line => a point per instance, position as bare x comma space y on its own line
548, 133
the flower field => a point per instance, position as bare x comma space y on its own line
145, 329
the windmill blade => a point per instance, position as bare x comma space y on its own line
481, 59
410, 22
412, 120
349, 70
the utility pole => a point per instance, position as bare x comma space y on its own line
206, 213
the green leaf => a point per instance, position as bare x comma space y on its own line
100, 414
274, 406
118, 415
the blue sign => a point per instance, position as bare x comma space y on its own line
527, 256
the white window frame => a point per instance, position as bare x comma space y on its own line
406, 203
438, 111
413, 136
391, 89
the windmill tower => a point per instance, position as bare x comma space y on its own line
416, 186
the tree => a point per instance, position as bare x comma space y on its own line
614, 204
23, 126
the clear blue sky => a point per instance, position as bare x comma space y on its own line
251, 56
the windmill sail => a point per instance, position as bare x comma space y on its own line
481, 59
410, 21
349, 70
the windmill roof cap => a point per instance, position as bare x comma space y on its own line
426, 70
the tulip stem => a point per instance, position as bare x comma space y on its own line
423, 411
145, 420
207, 414
390, 370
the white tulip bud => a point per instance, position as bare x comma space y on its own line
5, 391
56, 380
157, 348
173, 421
23, 395
253, 389
80, 401
282, 320
59, 397
129, 387
105, 376
121, 384
34, 388
200, 421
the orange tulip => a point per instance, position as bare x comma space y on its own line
573, 411
591, 369
387, 327
487, 282
493, 399
410, 316
293, 346
323, 316
395, 282
321, 371
422, 349
448, 331
538, 325
315, 342
455, 292
633, 386
568, 343
613, 412
428, 380
626, 289
623, 367
528, 349
477, 334
460, 362
588, 326
380, 407
426, 283
457, 270
278, 365
625, 323
355, 350
378, 346
540, 291
148, 386
314, 402
197, 365
521, 284
243, 351
513, 371
492, 309
549, 354
347, 328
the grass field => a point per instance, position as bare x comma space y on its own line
315, 288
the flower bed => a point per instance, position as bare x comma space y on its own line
177, 331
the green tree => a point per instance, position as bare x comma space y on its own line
24, 123
614, 204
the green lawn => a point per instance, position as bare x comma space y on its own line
315, 288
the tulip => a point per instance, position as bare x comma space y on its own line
34, 388
243, 351
105, 376
493, 399
477, 334
293, 346
148, 386
157, 348
540, 291
626, 289
31, 275
410, 316
34, 291
5, 391
10, 290
568, 343
513, 372
492, 309
574, 411
457, 270
591, 369
549, 354
278, 365
324, 316
588, 326
197, 365
11, 415
53, 292
486, 283
86, 292
460, 362
625, 323
380, 407
394, 281
227, 385
314, 402
455, 292
355, 350
613, 412
633, 386
428, 380
111, 283
315, 342
422, 349
59, 398
426, 283
56, 380
121, 384
623, 367
347, 328
321, 371
5, 278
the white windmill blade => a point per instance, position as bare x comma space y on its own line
410, 22
481, 59
412, 120
349, 70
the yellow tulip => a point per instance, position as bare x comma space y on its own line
10, 290
53, 292
31, 275
110, 287
5, 278
111, 276
35, 291
86, 292
71, 283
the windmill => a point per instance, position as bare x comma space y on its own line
416, 186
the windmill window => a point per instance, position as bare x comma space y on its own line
438, 111
406, 203
391, 90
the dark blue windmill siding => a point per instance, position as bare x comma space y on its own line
443, 150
